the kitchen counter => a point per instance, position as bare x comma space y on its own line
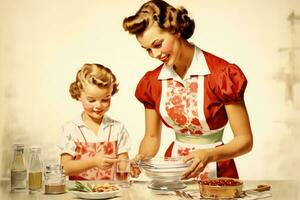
280, 190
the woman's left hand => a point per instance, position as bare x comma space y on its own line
200, 159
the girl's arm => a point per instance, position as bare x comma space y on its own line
150, 144
239, 145
74, 167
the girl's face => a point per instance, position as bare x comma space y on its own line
160, 44
95, 101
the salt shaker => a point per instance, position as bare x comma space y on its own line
18, 169
35, 169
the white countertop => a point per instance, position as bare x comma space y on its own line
280, 190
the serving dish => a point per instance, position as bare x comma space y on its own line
94, 191
221, 188
95, 195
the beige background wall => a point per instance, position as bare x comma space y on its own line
43, 44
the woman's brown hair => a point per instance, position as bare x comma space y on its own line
173, 20
95, 74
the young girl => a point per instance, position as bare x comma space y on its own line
193, 92
93, 142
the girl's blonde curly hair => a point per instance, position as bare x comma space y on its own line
170, 19
95, 74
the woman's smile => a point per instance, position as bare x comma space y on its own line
164, 58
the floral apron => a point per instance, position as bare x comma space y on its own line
86, 150
181, 107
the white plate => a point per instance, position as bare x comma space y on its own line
95, 195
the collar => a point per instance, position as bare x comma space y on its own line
106, 121
198, 67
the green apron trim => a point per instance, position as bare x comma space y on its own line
200, 139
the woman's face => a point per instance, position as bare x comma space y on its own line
160, 44
95, 101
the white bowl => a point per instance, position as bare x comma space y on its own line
164, 169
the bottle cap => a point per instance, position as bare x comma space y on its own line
35, 148
19, 146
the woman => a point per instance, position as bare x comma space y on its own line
193, 92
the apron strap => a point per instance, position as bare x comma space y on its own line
108, 140
81, 132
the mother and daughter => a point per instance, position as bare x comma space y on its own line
193, 92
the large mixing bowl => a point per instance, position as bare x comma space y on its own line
159, 168
164, 172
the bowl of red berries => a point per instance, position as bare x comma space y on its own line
221, 188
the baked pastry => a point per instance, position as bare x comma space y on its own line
221, 188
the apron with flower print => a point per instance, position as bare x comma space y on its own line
86, 150
181, 107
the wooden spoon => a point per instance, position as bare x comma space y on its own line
262, 188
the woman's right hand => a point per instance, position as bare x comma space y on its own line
134, 166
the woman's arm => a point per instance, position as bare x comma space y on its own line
74, 167
150, 144
243, 140
239, 145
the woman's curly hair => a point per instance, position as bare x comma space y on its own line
95, 74
173, 20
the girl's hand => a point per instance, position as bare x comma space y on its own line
134, 167
200, 159
104, 161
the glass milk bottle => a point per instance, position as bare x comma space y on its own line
35, 169
18, 169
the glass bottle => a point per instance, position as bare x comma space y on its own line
55, 179
35, 169
18, 168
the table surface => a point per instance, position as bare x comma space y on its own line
280, 190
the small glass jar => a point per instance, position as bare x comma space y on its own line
55, 180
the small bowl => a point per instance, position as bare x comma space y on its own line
221, 188
166, 169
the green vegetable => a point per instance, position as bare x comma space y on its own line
90, 186
81, 187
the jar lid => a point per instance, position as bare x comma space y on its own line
53, 167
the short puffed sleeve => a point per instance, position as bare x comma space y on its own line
230, 84
143, 92
66, 144
123, 140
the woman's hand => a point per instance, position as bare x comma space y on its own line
134, 167
200, 159
103, 161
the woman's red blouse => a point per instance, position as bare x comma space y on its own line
225, 84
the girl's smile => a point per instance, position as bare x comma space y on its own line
95, 101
